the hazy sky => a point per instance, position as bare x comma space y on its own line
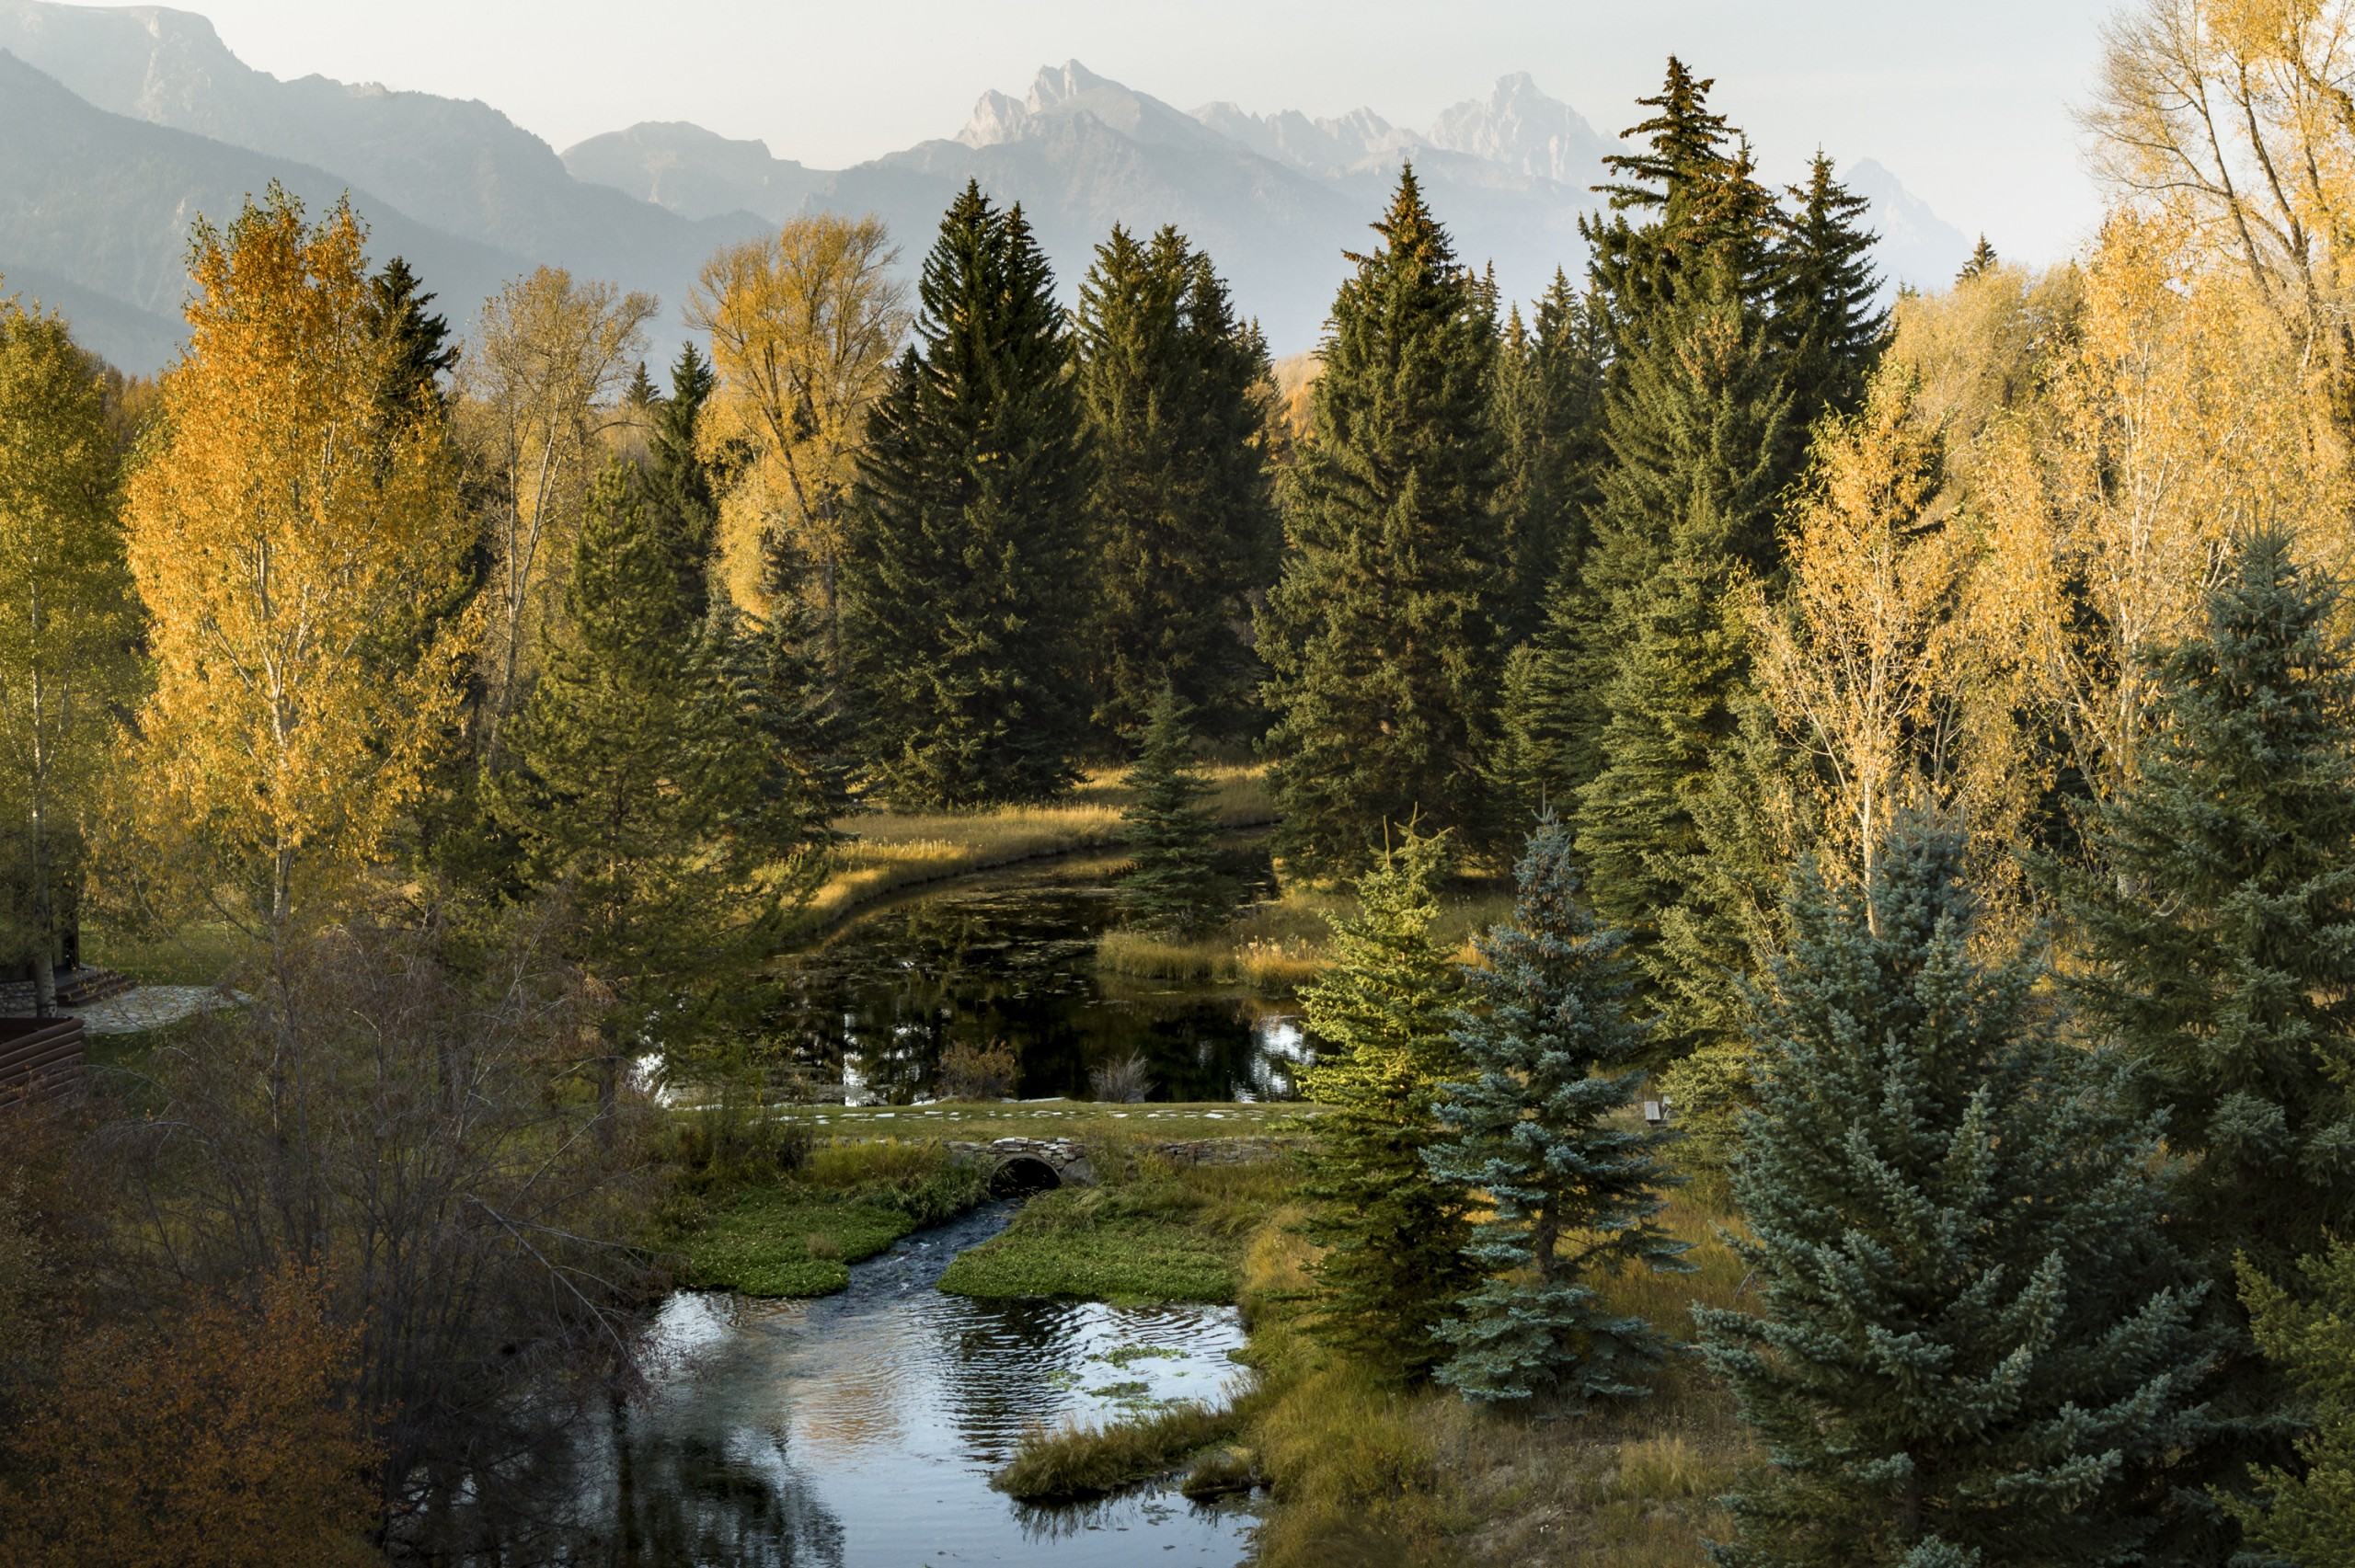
1968, 101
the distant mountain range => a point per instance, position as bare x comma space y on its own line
118, 126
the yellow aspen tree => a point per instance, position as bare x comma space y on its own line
541, 387
804, 325
2169, 425
2236, 118
1851, 656
69, 622
278, 523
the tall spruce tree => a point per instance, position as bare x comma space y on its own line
1172, 881
1825, 298
961, 581
1698, 425
1549, 419
1693, 411
2219, 915
645, 803
1379, 635
1976, 1344
1393, 1264
420, 352
1181, 512
1548, 1037
680, 484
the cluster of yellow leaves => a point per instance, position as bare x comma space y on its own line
2048, 478
281, 523
804, 325
535, 403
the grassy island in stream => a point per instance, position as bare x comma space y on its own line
796, 1232
1154, 1233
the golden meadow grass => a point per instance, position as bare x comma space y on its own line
889, 852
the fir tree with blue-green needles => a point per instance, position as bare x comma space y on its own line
1575, 1191
1393, 1264
1975, 1342
1172, 881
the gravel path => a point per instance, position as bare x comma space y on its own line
146, 1007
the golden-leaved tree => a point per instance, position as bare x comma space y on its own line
1855, 655
540, 389
68, 619
278, 522
2170, 422
804, 326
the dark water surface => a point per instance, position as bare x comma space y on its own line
1012, 959
859, 1430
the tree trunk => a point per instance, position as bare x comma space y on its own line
44, 920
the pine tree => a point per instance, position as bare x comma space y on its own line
2218, 916
1982, 261
1695, 418
1181, 514
1394, 1263
1549, 1038
1976, 1344
786, 663
680, 482
2307, 1517
1379, 635
1829, 326
420, 352
1171, 882
1549, 418
640, 795
960, 579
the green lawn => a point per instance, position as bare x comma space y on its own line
1151, 1234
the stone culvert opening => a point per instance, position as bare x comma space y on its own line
1019, 1175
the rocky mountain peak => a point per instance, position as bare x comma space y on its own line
1519, 126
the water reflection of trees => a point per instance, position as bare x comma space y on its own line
895, 989
681, 1500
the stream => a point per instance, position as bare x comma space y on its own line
859, 1430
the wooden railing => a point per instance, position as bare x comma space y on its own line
40, 1056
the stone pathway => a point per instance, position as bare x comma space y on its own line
145, 1007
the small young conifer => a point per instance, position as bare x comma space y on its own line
2306, 1515
1394, 1264
1975, 1342
1171, 883
1538, 1128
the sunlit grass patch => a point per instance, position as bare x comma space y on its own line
889, 850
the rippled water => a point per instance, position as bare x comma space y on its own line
1012, 959
859, 1430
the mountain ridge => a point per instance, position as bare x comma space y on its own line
94, 210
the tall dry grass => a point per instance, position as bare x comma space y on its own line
888, 851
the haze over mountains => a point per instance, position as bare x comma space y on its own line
118, 126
